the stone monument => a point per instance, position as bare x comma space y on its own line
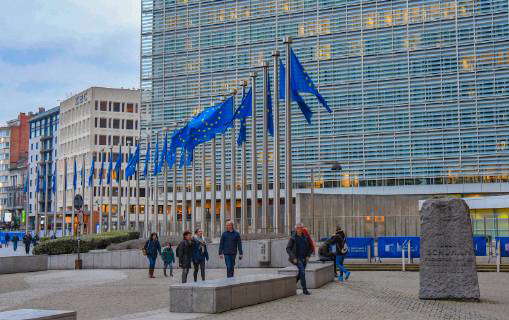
447, 268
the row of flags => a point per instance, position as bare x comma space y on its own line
202, 128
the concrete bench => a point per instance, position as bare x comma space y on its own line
318, 274
214, 296
20, 264
34, 314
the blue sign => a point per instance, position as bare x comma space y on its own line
391, 247
480, 246
504, 246
358, 248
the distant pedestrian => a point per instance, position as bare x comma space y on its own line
15, 240
7, 239
339, 240
185, 254
53, 235
168, 258
35, 239
200, 254
299, 249
230, 244
151, 249
27, 240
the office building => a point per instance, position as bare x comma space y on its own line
13, 164
92, 124
42, 162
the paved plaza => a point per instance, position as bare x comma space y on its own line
128, 294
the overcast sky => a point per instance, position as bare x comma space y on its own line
52, 48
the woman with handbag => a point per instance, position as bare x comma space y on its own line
151, 249
341, 251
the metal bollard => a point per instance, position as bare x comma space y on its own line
499, 258
409, 252
403, 267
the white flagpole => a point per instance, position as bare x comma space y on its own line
147, 210
165, 190
46, 211
203, 223
137, 177
91, 209
288, 142
72, 201
184, 198
213, 191
193, 195
265, 159
54, 197
83, 177
277, 170
156, 195
224, 185
174, 199
128, 182
254, 154
101, 194
110, 192
233, 172
64, 198
243, 186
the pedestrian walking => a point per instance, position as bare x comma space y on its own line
27, 240
200, 254
299, 249
168, 258
339, 240
35, 239
15, 240
185, 254
151, 249
229, 246
7, 239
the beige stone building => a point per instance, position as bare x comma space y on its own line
94, 123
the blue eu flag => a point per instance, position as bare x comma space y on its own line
118, 165
164, 152
205, 126
75, 177
101, 172
54, 181
147, 160
243, 111
301, 81
270, 120
133, 162
304, 108
110, 170
156, 159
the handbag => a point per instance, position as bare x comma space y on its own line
144, 251
344, 250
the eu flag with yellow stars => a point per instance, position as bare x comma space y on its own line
205, 126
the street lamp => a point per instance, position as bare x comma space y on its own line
334, 166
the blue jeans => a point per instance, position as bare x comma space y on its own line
152, 262
229, 259
301, 266
340, 259
15, 245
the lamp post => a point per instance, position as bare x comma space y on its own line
334, 166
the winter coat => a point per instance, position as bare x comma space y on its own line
200, 252
291, 247
230, 243
27, 239
324, 252
339, 240
184, 252
168, 255
153, 247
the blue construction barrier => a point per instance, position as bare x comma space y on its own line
11, 234
504, 246
390, 247
358, 248
480, 246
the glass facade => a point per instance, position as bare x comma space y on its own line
419, 89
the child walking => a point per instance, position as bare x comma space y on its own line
168, 259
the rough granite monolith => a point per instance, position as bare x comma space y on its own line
447, 266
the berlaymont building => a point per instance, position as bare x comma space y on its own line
419, 90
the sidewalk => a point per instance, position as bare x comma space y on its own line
9, 252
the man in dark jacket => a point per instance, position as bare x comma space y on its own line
299, 250
27, 240
185, 252
7, 239
228, 246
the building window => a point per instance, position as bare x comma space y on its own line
116, 107
116, 140
102, 140
116, 124
104, 105
130, 108
129, 124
